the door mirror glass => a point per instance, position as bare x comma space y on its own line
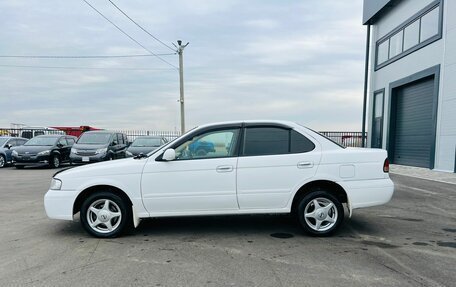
169, 155
9, 146
114, 143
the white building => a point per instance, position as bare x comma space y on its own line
412, 81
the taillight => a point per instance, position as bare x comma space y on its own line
386, 166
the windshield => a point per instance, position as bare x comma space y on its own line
140, 142
3, 141
94, 138
42, 141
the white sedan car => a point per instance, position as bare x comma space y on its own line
249, 167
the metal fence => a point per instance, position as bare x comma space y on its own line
348, 139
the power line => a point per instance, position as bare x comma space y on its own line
85, 68
84, 57
130, 37
142, 28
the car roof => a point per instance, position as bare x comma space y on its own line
49, 136
99, 132
149, 137
277, 122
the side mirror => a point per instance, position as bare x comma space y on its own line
9, 146
169, 155
59, 145
114, 143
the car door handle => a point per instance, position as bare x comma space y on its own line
305, 164
224, 168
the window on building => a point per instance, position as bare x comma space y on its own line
396, 44
430, 24
382, 52
410, 36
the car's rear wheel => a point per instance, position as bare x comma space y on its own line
104, 214
320, 213
55, 161
2, 161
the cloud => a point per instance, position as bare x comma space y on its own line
291, 60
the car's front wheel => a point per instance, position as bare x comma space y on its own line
104, 214
320, 213
55, 161
2, 161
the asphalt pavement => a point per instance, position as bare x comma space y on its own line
411, 241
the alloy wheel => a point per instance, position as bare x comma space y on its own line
320, 214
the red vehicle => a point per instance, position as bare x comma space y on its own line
76, 131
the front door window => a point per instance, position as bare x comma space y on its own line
214, 144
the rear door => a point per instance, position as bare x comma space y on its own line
274, 161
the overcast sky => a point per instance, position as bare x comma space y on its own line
292, 60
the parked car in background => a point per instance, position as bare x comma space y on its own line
96, 146
258, 167
52, 150
31, 132
144, 145
6, 145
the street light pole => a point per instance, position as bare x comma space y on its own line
180, 51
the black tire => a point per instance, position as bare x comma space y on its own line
335, 213
2, 161
19, 166
55, 161
101, 230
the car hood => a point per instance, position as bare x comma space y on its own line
32, 149
89, 146
107, 168
135, 150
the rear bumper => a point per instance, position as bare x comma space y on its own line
59, 204
368, 193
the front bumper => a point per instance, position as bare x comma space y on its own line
31, 160
59, 203
75, 158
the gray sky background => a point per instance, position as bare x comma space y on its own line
292, 60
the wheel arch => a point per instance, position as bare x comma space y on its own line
330, 186
90, 190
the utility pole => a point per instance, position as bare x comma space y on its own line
180, 51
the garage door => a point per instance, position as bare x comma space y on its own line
413, 137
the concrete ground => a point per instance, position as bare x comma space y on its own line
409, 242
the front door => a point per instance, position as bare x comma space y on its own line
202, 178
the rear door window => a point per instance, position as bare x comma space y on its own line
274, 141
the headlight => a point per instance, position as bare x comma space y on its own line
14, 153
73, 150
101, 150
44, 152
56, 184
128, 153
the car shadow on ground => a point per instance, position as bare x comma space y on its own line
275, 225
